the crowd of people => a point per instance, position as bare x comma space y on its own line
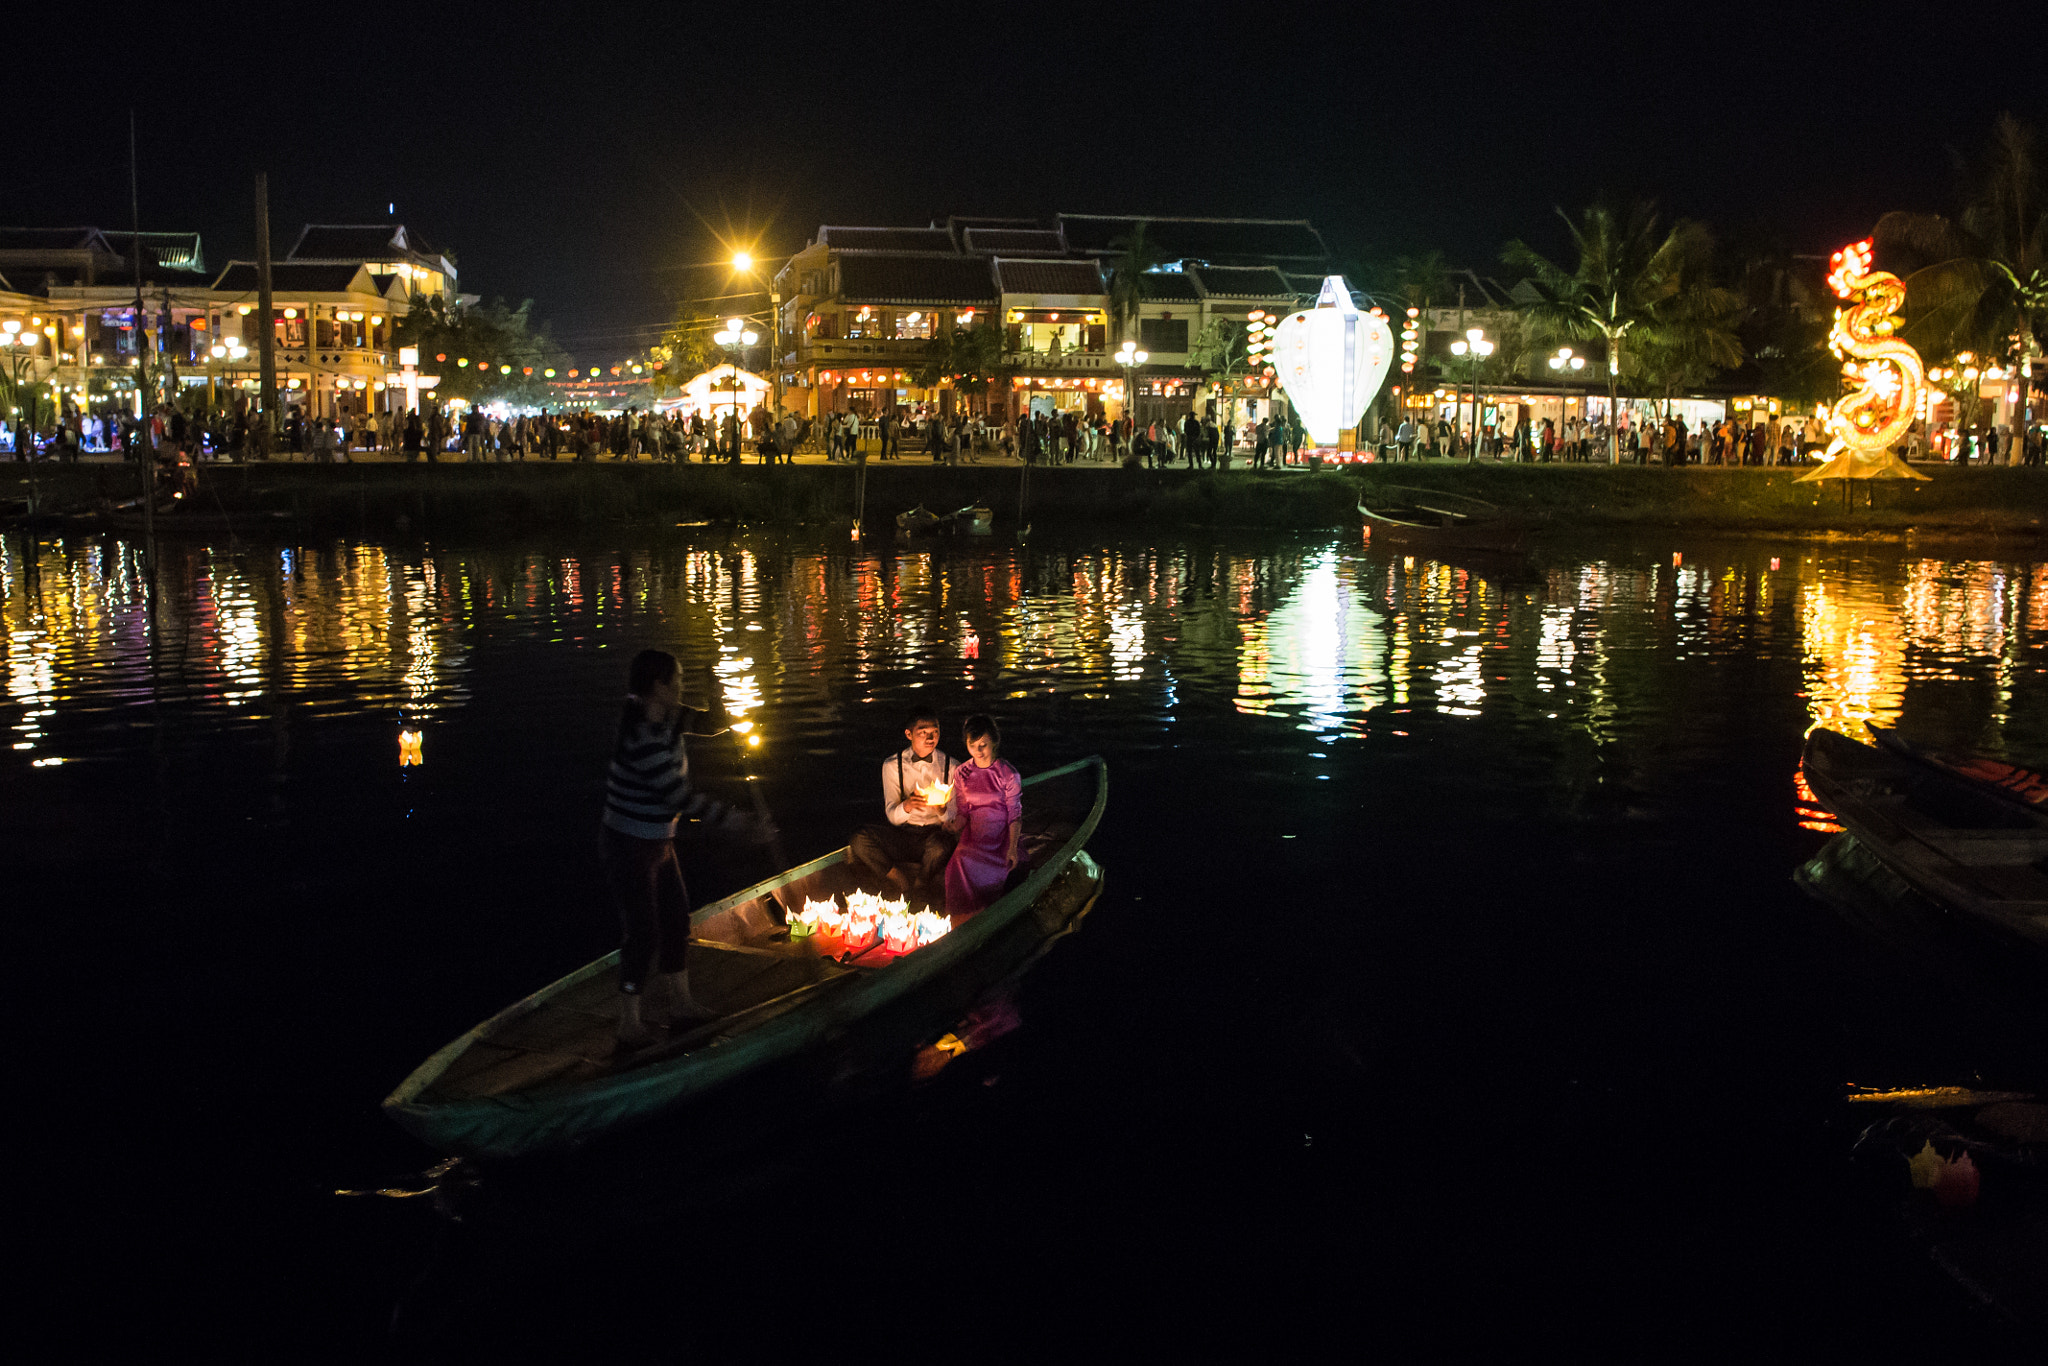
1065, 438
1666, 441
1037, 437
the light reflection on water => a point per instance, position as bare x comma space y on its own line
1333, 641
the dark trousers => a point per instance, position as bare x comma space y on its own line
647, 887
879, 848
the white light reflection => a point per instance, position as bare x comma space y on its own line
1320, 656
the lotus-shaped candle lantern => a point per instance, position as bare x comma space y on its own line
930, 925
814, 917
409, 748
863, 912
936, 794
899, 929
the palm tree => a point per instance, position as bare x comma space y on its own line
1979, 281
1629, 281
1139, 254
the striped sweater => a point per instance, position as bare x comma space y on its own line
649, 785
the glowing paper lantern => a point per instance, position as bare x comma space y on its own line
409, 748
1332, 359
899, 931
936, 794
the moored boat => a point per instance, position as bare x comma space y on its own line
1437, 519
544, 1073
1965, 849
2024, 787
921, 521
178, 520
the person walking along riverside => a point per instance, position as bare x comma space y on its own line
646, 793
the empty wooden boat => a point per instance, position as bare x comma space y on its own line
1970, 851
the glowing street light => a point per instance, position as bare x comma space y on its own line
1130, 358
735, 338
1474, 347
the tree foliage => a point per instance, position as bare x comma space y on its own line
1220, 350
1138, 254
969, 357
507, 357
685, 349
1978, 282
1634, 286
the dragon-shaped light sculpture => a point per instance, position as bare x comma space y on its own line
1887, 378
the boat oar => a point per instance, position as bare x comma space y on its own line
760, 804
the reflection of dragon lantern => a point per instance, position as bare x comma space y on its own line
1885, 371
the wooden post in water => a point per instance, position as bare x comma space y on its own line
146, 453
266, 328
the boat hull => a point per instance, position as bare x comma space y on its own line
1965, 850
839, 1017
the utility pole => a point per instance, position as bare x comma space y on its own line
147, 448
1458, 407
266, 329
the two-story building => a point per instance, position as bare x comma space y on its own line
874, 317
337, 296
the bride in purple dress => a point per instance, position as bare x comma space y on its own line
987, 809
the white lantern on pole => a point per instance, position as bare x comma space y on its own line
1332, 360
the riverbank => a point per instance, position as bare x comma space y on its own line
463, 498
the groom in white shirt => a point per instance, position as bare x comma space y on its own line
916, 831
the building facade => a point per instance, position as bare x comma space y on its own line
998, 316
337, 296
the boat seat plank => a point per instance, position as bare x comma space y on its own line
1988, 848
2016, 886
553, 1028
520, 1071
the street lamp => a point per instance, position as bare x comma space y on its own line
735, 339
229, 350
1474, 347
1564, 360
21, 361
743, 264
1130, 358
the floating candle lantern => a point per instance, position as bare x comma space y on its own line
899, 929
815, 916
863, 913
409, 748
936, 794
930, 925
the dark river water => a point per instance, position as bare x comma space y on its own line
1449, 986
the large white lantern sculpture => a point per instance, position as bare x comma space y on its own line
1332, 359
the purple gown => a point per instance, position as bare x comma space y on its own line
985, 802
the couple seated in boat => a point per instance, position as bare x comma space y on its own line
959, 819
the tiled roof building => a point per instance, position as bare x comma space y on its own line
866, 309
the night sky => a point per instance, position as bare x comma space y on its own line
588, 156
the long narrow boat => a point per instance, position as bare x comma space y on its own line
2024, 787
1436, 519
1965, 849
544, 1073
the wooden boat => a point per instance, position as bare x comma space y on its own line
1433, 519
2025, 787
545, 1073
1965, 849
177, 519
920, 521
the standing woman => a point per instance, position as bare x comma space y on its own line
988, 810
647, 792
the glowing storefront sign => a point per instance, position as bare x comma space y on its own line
1332, 360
